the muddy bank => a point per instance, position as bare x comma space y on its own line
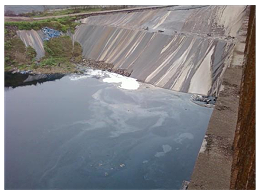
17, 77
74, 68
101, 65
37, 69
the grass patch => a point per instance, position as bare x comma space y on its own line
60, 12
59, 47
49, 61
6, 31
16, 53
61, 52
62, 24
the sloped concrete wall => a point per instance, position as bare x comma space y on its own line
222, 164
178, 62
32, 38
183, 48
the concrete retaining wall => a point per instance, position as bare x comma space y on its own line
183, 48
34, 39
233, 119
243, 167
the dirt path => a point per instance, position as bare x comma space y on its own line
18, 18
13, 18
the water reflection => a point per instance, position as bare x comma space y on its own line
88, 134
17, 79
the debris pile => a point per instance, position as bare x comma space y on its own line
207, 101
50, 33
122, 72
101, 65
21, 71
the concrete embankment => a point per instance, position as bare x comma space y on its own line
34, 39
230, 137
183, 48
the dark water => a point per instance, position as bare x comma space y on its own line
87, 134
17, 79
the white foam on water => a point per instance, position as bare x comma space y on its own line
183, 136
88, 74
92, 72
166, 149
203, 145
126, 82
78, 77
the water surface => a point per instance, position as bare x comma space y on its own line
88, 134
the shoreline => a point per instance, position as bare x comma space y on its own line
73, 68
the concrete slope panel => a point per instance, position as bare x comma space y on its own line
177, 62
32, 38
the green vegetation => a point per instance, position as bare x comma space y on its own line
16, 53
30, 52
60, 53
67, 11
6, 31
61, 12
61, 49
62, 24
